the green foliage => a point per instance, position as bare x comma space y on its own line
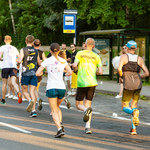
44, 18
110, 13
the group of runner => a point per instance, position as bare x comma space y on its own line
85, 65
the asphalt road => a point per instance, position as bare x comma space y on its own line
20, 132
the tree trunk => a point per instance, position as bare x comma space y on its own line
12, 17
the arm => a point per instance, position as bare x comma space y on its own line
68, 70
99, 71
121, 63
39, 72
21, 56
144, 68
1, 53
75, 66
38, 60
43, 56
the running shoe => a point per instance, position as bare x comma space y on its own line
2, 101
86, 114
24, 99
30, 105
69, 93
7, 95
73, 93
10, 96
40, 104
62, 126
59, 134
33, 114
118, 96
15, 97
133, 132
68, 104
88, 131
19, 97
136, 117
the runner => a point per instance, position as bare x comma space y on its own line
37, 45
55, 66
9, 53
29, 56
68, 58
74, 75
87, 63
129, 71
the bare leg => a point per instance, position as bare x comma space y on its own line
13, 81
121, 89
25, 92
33, 97
4, 87
53, 103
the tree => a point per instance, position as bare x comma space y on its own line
111, 13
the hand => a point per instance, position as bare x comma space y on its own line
120, 80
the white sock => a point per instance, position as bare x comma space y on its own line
38, 99
87, 125
59, 129
85, 109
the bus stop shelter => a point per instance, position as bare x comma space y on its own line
119, 37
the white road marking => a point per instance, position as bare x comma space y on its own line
98, 113
16, 128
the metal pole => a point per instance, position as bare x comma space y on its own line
118, 44
75, 39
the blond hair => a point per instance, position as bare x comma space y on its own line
90, 41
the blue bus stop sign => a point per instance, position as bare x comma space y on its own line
69, 23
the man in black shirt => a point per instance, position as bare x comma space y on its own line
74, 75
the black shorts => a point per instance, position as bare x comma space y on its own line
39, 78
6, 72
85, 92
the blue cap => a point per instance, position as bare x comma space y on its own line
131, 43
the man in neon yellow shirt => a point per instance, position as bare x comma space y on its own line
89, 65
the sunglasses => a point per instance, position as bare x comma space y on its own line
72, 47
124, 48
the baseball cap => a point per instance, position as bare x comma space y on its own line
131, 43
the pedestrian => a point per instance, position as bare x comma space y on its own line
29, 58
68, 58
130, 74
123, 51
74, 75
87, 62
55, 66
9, 53
42, 57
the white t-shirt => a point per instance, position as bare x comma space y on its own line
9, 56
55, 71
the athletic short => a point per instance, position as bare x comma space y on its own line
130, 94
39, 78
6, 72
85, 92
29, 80
55, 93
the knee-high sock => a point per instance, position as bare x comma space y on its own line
133, 126
128, 110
